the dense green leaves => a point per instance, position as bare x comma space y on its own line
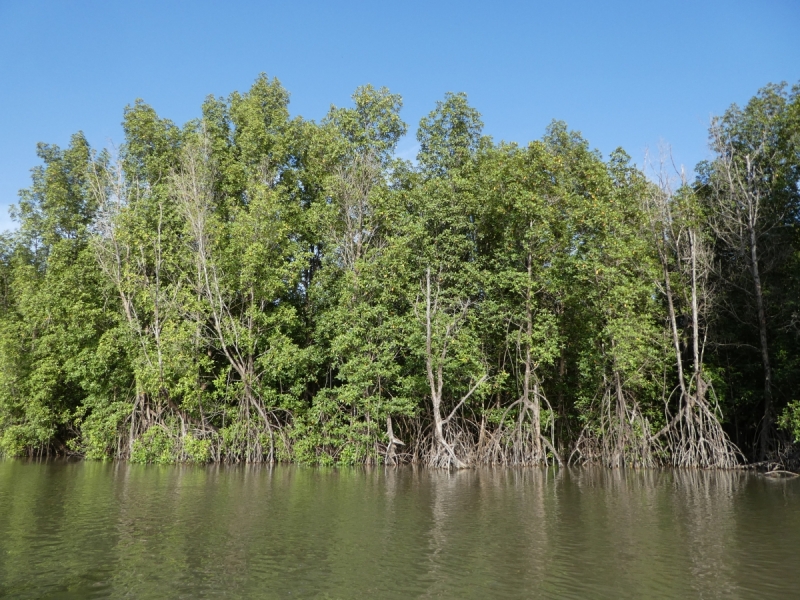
256, 287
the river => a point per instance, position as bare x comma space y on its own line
115, 530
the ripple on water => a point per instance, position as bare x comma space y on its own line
89, 530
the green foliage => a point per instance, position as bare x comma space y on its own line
449, 135
195, 450
758, 147
253, 286
156, 445
790, 419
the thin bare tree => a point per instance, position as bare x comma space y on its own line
695, 435
442, 322
742, 219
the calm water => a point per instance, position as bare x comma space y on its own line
92, 530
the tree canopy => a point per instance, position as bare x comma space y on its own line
253, 286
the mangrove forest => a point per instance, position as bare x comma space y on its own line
253, 286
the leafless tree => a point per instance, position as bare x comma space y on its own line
442, 321
742, 220
230, 323
133, 266
355, 228
695, 435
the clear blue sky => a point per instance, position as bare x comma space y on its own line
627, 74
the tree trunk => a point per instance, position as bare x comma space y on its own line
435, 380
765, 433
527, 403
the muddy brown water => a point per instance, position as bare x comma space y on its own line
115, 530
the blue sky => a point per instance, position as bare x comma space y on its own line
630, 74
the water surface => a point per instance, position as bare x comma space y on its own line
114, 530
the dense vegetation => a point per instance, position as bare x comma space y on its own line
256, 287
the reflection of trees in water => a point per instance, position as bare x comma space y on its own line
703, 502
643, 532
444, 493
623, 531
617, 531
405, 532
490, 530
669, 528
